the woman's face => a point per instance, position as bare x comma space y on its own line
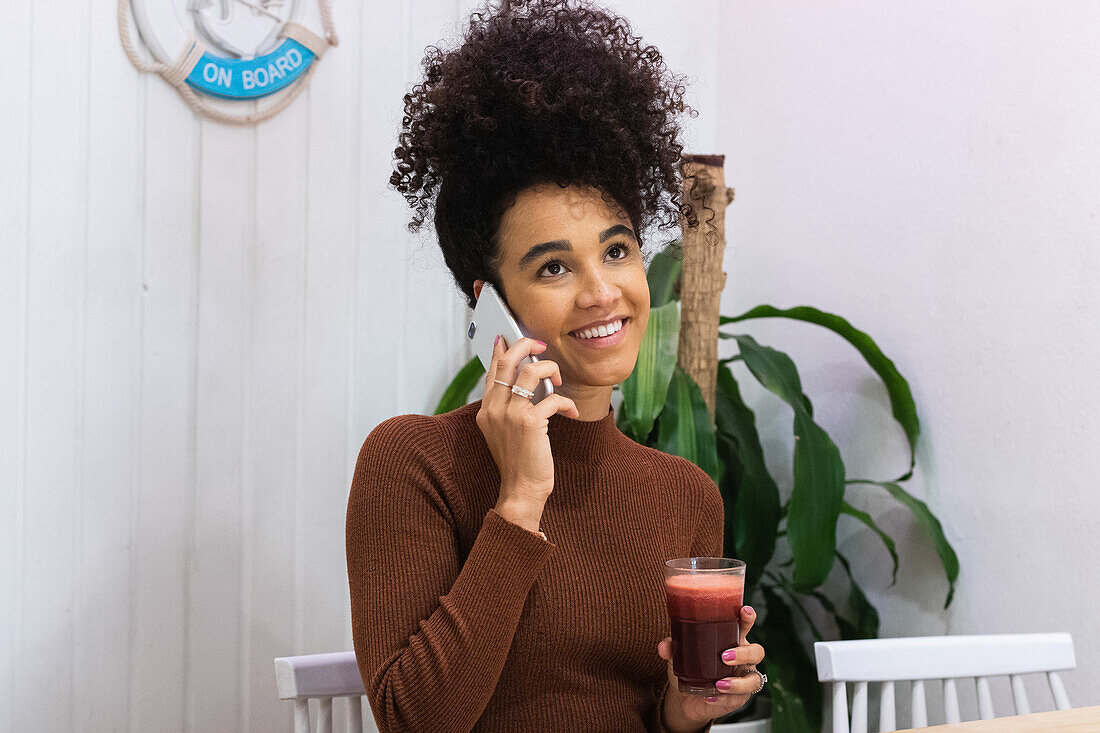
568, 260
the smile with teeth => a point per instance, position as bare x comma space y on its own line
604, 329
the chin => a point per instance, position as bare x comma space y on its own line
608, 377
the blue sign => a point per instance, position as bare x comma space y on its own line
238, 79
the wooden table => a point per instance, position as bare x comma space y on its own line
1075, 720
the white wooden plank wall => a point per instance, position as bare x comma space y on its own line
199, 324
14, 231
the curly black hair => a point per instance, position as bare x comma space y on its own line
539, 91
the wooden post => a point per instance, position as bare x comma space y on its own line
703, 279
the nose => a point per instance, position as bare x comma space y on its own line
598, 291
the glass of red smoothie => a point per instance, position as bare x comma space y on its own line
704, 596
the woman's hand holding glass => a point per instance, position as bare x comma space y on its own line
688, 712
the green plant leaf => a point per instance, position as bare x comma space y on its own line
732, 473
818, 488
815, 503
926, 519
792, 677
663, 271
773, 369
784, 584
867, 621
866, 626
458, 391
847, 629
752, 516
901, 397
645, 391
886, 539
685, 426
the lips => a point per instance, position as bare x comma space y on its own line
595, 326
604, 322
603, 341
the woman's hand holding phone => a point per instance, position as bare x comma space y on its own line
516, 430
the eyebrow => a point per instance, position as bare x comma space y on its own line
559, 245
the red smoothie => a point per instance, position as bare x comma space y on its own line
704, 611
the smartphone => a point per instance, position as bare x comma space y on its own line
492, 317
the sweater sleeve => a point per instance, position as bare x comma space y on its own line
431, 633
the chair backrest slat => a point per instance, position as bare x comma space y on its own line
859, 708
985, 699
301, 716
840, 708
1019, 695
1061, 700
919, 707
355, 714
951, 701
324, 716
886, 707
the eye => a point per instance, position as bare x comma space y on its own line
551, 263
624, 248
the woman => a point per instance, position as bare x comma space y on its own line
505, 559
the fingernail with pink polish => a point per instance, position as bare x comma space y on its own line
749, 610
729, 655
722, 685
712, 699
541, 342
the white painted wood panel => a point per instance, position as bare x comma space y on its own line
433, 308
378, 359
54, 433
275, 293
111, 381
163, 500
219, 613
15, 160
322, 610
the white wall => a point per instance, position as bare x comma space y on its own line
199, 324
931, 171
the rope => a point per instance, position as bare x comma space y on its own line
176, 73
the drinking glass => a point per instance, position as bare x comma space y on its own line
704, 597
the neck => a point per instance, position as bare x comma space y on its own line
592, 402
589, 441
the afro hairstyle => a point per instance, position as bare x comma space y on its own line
538, 91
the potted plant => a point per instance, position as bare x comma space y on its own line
664, 407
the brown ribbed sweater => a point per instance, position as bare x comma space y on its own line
464, 621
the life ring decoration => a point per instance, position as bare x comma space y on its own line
235, 50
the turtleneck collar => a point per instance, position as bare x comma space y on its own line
582, 439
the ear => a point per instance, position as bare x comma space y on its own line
477, 288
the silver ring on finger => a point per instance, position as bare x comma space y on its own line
522, 391
500, 382
763, 679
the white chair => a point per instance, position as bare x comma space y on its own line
937, 657
322, 677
